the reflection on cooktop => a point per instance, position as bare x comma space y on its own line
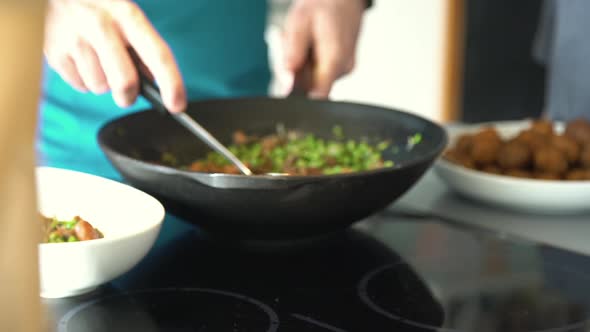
390, 276
172, 309
389, 291
534, 306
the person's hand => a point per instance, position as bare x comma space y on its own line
330, 28
87, 43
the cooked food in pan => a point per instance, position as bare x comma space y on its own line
538, 152
297, 153
74, 230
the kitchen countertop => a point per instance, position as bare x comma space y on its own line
431, 198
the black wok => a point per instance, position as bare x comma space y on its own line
269, 207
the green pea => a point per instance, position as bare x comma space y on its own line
53, 237
70, 224
363, 146
337, 132
334, 149
382, 146
314, 155
279, 152
316, 164
300, 163
333, 170
350, 145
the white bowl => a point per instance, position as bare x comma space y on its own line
129, 219
525, 195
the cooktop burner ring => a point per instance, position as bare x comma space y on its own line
273, 318
366, 299
363, 293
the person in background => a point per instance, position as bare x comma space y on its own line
562, 46
194, 49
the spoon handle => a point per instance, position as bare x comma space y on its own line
150, 91
198, 130
303, 79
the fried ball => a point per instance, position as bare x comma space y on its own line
519, 173
492, 169
547, 176
550, 159
567, 146
514, 154
485, 145
579, 130
543, 127
532, 139
484, 152
578, 174
488, 134
585, 157
457, 157
464, 143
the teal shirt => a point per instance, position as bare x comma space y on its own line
220, 49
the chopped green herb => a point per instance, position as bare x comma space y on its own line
414, 139
338, 132
298, 154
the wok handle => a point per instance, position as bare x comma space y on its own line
147, 88
303, 80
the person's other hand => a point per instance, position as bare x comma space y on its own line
87, 43
330, 28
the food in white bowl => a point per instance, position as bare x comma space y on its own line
530, 166
75, 229
128, 219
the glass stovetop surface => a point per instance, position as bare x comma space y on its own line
385, 274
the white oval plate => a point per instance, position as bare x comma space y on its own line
525, 195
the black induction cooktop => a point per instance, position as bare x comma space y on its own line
385, 274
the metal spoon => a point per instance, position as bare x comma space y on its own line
149, 90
